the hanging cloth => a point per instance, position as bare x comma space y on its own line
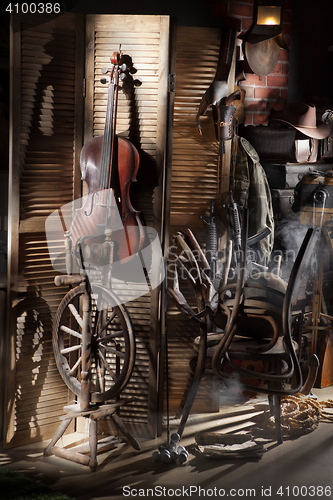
250, 187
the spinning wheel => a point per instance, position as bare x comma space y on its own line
93, 339
105, 355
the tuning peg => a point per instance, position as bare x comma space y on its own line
105, 70
123, 67
103, 81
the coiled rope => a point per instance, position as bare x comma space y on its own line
300, 415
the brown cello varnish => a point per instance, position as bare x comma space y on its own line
109, 164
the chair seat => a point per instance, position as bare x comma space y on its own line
241, 343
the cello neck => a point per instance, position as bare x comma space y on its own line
105, 172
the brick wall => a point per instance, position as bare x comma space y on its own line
271, 92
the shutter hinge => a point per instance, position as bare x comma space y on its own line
84, 87
171, 83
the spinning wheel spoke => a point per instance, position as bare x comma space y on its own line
96, 323
107, 366
75, 366
111, 343
71, 349
114, 351
76, 315
108, 322
111, 336
71, 332
100, 375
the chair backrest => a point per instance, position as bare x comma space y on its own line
262, 303
222, 352
305, 254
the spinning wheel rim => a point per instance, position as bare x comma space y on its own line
108, 345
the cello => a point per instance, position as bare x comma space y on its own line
109, 164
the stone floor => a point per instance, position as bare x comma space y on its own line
300, 468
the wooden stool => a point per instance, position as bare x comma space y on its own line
74, 411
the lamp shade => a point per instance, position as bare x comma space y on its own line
269, 15
267, 21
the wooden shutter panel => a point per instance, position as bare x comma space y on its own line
46, 112
142, 118
195, 181
195, 167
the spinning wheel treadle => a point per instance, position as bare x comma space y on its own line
110, 344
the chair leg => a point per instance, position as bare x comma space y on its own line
278, 428
194, 383
275, 409
193, 364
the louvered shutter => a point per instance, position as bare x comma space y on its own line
46, 119
195, 181
195, 168
142, 118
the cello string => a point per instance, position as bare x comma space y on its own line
107, 158
101, 172
106, 147
113, 117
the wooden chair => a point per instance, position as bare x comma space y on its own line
230, 347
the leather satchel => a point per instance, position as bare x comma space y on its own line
280, 144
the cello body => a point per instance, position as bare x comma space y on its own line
91, 219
